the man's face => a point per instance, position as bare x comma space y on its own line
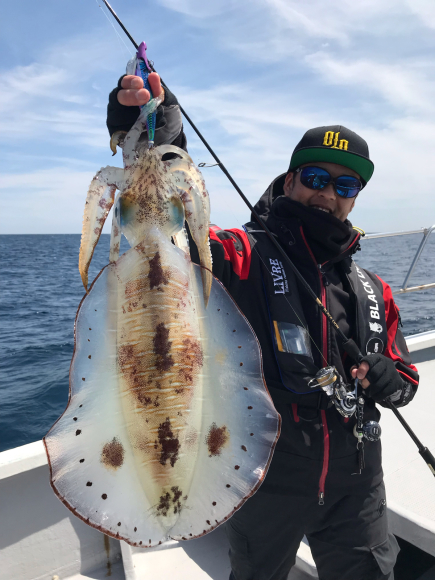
322, 199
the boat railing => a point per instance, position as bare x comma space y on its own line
426, 233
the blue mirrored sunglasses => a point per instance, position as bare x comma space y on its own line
318, 178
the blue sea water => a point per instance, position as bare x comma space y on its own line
41, 290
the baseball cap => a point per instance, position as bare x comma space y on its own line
334, 144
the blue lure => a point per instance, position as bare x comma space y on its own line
143, 70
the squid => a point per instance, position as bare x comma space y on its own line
169, 426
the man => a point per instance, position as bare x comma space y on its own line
318, 484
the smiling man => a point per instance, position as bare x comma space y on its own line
316, 485
324, 199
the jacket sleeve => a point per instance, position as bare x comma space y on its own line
169, 125
231, 254
397, 350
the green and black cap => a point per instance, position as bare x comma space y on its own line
334, 144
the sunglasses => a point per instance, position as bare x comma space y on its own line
318, 178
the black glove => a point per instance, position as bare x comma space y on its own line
383, 377
122, 118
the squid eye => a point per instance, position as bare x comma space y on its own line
169, 156
116, 212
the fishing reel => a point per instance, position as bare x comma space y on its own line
330, 381
346, 401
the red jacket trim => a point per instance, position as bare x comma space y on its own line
240, 261
392, 318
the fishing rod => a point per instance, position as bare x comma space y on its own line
349, 345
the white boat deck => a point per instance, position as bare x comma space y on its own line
409, 483
41, 540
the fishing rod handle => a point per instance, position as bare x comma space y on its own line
351, 347
429, 458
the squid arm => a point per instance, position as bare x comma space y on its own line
115, 236
131, 140
193, 193
117, 139
99, 201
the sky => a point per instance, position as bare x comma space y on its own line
254, 75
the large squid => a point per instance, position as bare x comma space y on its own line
169, 427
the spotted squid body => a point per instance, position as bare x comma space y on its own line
169, 427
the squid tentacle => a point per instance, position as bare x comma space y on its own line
99, 201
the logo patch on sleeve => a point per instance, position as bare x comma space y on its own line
280, 282
375, 345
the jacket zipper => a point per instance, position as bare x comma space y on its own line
325, 358
323, 274
325, 458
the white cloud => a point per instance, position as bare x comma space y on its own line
425, 10
46, 201
24, 83
299, 16
400, 192
404, 85
198, 9
51, 97
272, 31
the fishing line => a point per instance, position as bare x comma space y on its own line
116, 32
348, 344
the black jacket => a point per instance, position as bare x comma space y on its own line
316, 442
324, 261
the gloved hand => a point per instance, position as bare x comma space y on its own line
132, 92
123, 110
125, 100
378, 376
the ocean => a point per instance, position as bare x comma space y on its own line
40, 293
